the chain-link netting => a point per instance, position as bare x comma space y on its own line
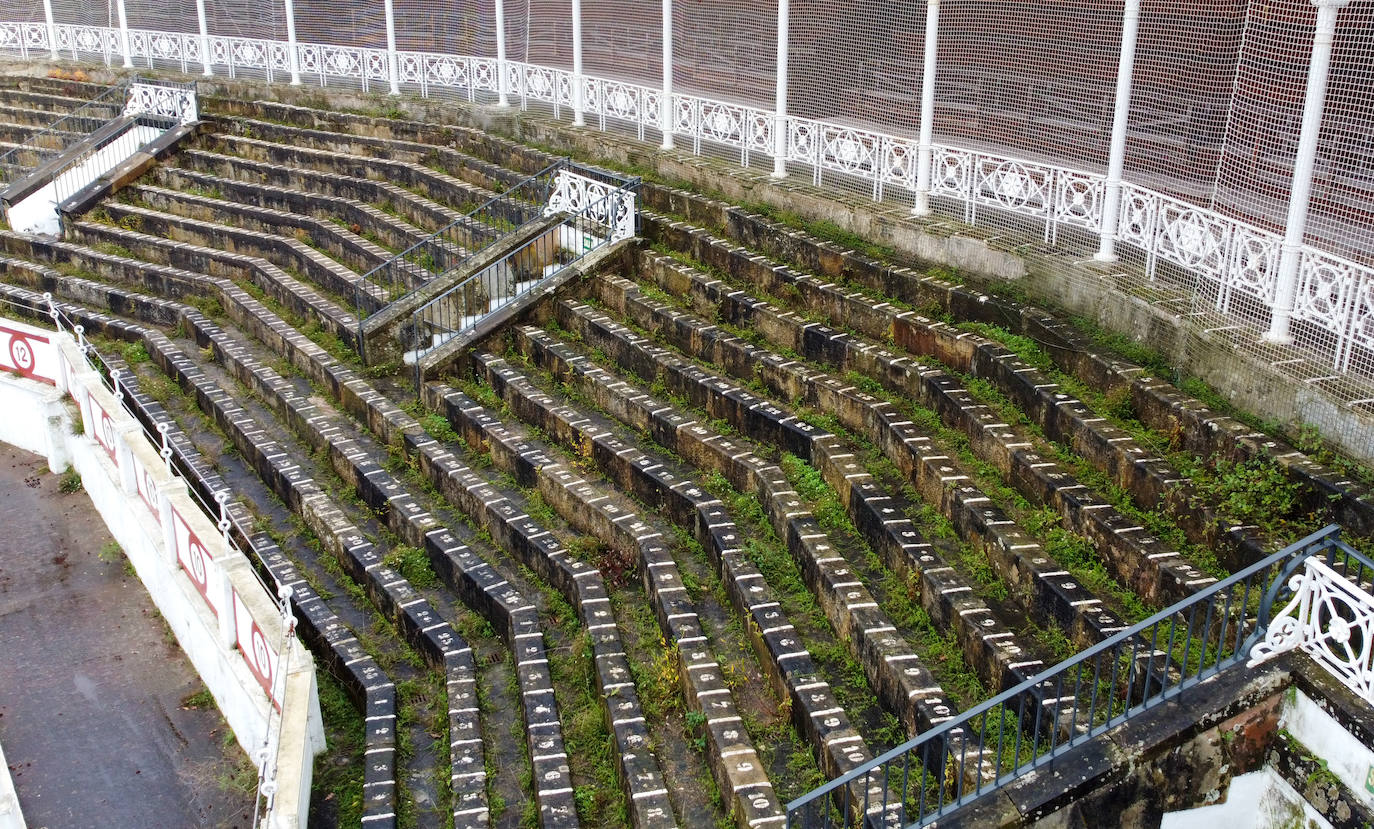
540, 31
1343, 196
84, 13
1185, 65
726, 50
446, 28
354, 23
1256, 165
257, 19
1029, 78
856, 63
623, 40
163, 15
22, 11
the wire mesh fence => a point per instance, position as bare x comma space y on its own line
1023, 105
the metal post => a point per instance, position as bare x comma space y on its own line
579, 118
1116, 159
124, 36
1286, 289
293, 52
925, 150
204, 37
393, 67
501, 53
665, 103
52, 28
780, 102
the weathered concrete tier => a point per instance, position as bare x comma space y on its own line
368, 481
393, 232
17, 117
1152, 481
906, 686
333, 642
364, 561
895, 672
435, 154
436, 186
1159, 404
988, 644
179, 270
1135, 558
60, 104
468, 141
286, 252
417, 210
1053, 595
338, 242
734, 762
27, 128
433, 637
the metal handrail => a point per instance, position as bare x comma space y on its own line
940, 781
79, 113
467, 221
587, 221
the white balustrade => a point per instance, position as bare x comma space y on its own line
1231, 258
1329, 619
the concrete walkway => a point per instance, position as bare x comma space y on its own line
92, 685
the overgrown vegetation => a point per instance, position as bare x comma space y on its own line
337, 784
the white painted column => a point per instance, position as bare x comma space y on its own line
579, 118
925, 150
218, 571
1116, 156
780, 99
665, 103
393, 67
293, 53
52, 28
204, 37
124, 36
169, 532
1286, 291
501, 53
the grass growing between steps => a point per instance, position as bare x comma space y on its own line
600, 798
898, 597
337, 784
767, 552
1255, 492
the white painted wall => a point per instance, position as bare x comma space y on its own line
1258, 800
1264, 800
38, 212
39, 418
1346, 757
10, 816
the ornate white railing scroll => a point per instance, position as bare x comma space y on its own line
1329, 619
577, 194
1230, 259
177, 102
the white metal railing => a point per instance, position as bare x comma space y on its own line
199, 535
1330, 617
1230, 258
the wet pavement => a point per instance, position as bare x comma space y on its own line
93, 687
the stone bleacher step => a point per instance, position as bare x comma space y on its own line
436, 186
395, 233
1152, 481
415, 209
1156, 573
437, 155
608, 516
